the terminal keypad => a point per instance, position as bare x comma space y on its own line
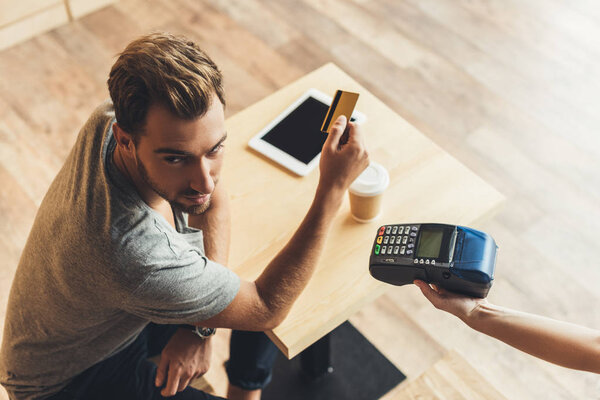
396, 240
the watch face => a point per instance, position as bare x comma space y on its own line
205, 332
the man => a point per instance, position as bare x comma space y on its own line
131, 238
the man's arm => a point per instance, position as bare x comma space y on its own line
558, 342
216, 226
263, 304
186, 356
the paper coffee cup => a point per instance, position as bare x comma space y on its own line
366, 193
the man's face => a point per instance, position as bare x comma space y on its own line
181, 159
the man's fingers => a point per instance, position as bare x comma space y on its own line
352, 134
337, 130
199, 374
183, 384
172, 382
161, 371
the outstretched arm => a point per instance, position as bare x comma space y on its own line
263, 304
558, 342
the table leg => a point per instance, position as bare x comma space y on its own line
315, 361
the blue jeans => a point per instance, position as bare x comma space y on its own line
128, 375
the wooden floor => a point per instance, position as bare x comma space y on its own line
508, 87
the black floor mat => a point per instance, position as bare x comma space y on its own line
360, 372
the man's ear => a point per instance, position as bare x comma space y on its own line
124, 139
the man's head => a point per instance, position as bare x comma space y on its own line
168, 99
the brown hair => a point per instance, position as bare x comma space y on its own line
164, 69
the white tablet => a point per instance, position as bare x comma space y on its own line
294, 138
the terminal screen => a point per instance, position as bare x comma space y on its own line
430, 243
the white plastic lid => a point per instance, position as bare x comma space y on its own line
373, 181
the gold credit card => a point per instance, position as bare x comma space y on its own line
343, 104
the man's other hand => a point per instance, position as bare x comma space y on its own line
184, 358
344, 155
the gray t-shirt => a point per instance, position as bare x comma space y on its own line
98, 266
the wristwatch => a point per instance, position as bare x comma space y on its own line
203, 333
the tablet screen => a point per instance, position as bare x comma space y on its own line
299, 133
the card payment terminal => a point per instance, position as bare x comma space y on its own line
457, 258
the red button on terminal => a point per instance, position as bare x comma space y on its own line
382, 230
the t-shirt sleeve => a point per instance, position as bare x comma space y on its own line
180, 285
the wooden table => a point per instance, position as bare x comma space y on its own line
268, 203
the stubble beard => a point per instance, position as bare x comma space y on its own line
191, 210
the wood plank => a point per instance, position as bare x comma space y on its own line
305, 53
24, 156
33, 24
450, 378
34, 121
15, 10
393, 336
530, 76
557, 151
18, 212
242, 46
258, 18
149, 14
79, 8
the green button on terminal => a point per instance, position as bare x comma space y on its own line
377, 247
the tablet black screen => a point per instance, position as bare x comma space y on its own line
299, 133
